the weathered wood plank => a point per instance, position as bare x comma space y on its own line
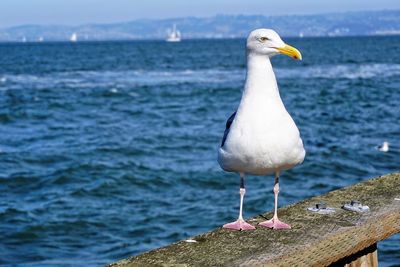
315, 240
365, 258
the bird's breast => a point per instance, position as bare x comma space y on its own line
261, 140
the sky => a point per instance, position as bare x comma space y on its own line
75, 12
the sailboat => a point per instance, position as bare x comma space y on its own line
23, 39
174, 35
74, 37
40, 39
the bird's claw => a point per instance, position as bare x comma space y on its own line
240, 225
275, 224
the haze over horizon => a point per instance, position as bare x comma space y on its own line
75, 12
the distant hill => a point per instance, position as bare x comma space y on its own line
385, 22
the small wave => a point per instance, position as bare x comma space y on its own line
116, 80
344, 71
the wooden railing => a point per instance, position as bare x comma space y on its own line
316, 238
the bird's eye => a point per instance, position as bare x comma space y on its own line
264, 39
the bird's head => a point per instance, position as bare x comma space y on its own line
268, 42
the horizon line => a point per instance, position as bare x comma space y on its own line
189, 39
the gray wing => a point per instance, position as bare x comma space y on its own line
227, 127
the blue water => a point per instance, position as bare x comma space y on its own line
109, 149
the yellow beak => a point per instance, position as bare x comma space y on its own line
290, 51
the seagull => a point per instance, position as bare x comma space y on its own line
384, 147
261, 137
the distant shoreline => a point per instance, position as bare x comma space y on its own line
360, 23
186, 40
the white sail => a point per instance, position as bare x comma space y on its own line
174, 35
74, 37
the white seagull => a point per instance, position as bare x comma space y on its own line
260, 137
384, 147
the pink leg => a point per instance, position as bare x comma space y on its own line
275, 223
240, 223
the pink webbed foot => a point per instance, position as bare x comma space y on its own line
275, 224
240, 224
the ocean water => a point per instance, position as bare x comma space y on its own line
109, 149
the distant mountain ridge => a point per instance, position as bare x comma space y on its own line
385, 22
